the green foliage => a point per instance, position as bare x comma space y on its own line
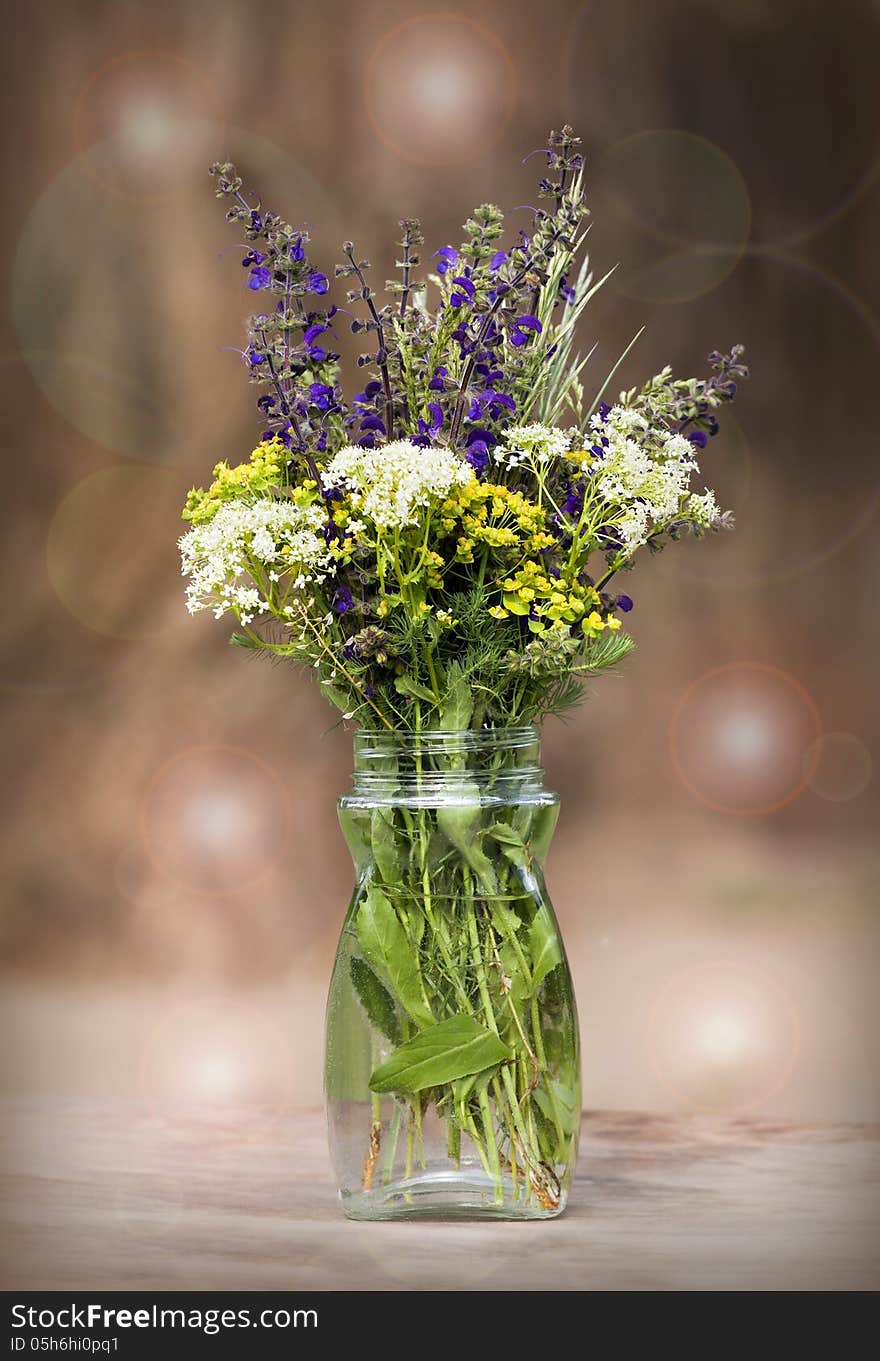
385, 944
544, 948
376, 1000
454, 1048
463, 583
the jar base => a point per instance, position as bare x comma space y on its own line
446, 1195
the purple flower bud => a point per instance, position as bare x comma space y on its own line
624, 602
255, 357
698, 438
296, 250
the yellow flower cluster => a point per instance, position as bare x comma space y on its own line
551, 601
493, 517
260, 474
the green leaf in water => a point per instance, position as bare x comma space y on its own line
386, 842
567, 1100
543, 827
376, 1000
454, 1048
459, 822
383, 941
544, 946
511, 843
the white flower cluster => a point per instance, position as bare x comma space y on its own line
650, 484
531, 443
390, 484
278, 535
703, 510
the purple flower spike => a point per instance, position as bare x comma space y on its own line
318, 283
260, 277
343, 600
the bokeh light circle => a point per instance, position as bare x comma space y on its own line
737, 735
723, 1037
677, 208
144, 124
99, 548
128, 328
216, 820
439, 89
781, 538
218, 1070
838, 766
753, 87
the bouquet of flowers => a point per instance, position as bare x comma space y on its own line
444, 550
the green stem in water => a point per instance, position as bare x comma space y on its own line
391, 1149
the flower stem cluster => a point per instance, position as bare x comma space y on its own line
454, 527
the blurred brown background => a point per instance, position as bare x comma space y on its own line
174, 880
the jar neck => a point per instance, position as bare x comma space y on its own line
502, 762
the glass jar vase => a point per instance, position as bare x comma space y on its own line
452, 1053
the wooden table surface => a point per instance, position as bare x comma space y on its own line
101, 1196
